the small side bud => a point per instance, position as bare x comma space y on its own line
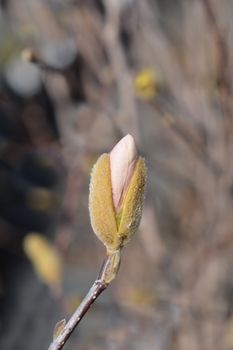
59, 326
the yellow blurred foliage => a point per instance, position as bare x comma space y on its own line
45, 259
146, 84
229, 334
141, 297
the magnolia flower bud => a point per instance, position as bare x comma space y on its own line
116, 194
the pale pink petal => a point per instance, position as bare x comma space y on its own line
123, 159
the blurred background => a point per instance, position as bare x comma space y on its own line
76, 76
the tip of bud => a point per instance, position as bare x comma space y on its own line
123, 159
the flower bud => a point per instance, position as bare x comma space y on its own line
116, 194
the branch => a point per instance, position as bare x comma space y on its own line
107, 274
222, 54
127, 113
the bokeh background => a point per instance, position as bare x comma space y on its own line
76, 76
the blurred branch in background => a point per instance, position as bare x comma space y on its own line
160, 70
223, 76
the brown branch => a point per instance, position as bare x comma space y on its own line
107, 274
223, 75
127, 113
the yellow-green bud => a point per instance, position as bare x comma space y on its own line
116, 212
